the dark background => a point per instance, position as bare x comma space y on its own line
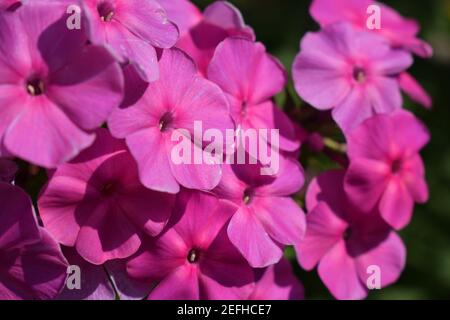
280, 24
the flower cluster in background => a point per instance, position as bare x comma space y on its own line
97, 106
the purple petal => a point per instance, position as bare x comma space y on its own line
18, 222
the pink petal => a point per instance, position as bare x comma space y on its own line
408, 132
324, 230
250, 238
384, 94
13, 65
158, 257
148, 21
368, 140
365, 181
203, 216
389, 256
92, 80
289, 179
268, 116
154, 164
414, 90
222, 263
328, 11
203, 176
182, 284
55, 138
282, 218
190, 107
106, 235
339, 272
183, 13
413, 176
242, 68
147, 209
353, 110
225, 15
230, 186
138, 52
319, 69
396, 205
393, 62
14, 102
63, 206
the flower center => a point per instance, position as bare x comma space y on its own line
396, 166
108, 189
248, 196
347, 234
193, 256
165, 121
359, 74
35, 87
244, 107
105, 11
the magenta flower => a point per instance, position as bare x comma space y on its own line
277, 282
31, 263
133, 29
266, 217
102, 282
54, 90
346, 244
398, 31
386, 171
250, 77
173, 103
193, 258
97, 204
8, 170
201, 33
351, 72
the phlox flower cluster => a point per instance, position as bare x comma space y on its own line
95, 109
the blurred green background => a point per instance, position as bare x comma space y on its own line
280, 24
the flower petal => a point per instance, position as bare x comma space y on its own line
282, 218
339, 273
324, 229
250, 238
55, 138
396, 205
